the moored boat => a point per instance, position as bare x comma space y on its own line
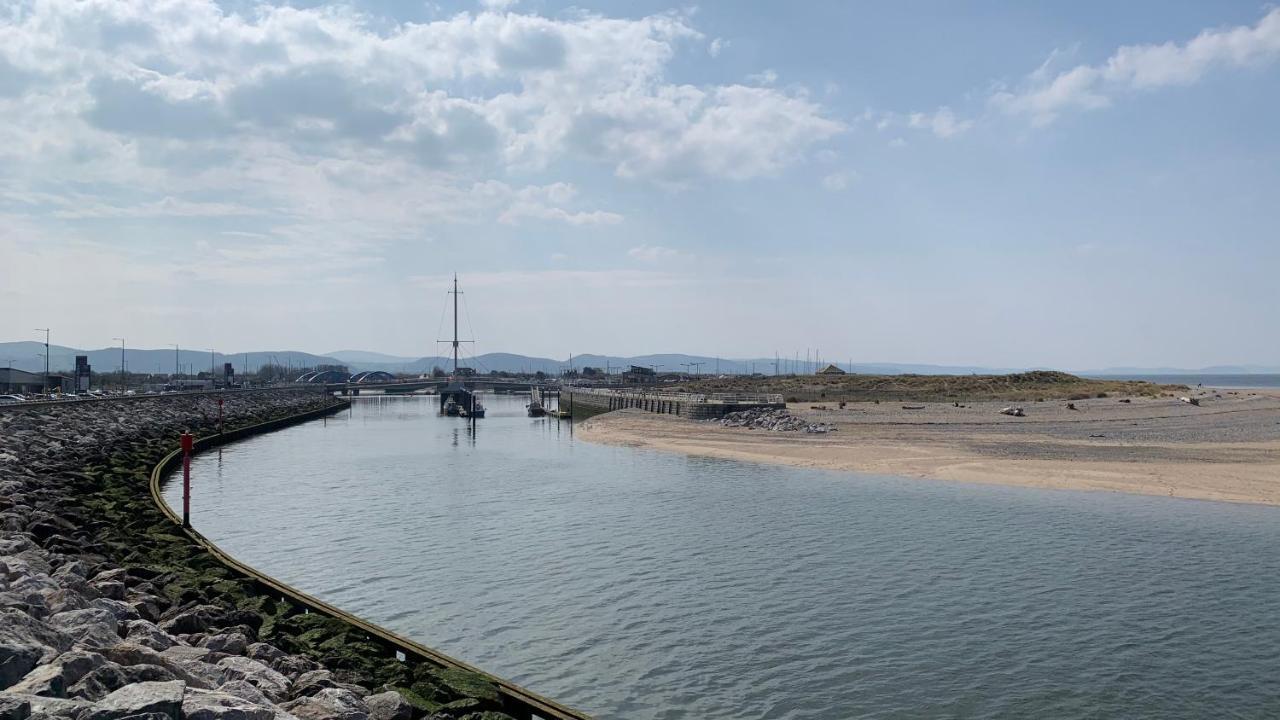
535, 409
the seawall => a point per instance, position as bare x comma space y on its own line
107, 609
583, 402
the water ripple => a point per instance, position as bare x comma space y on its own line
639, 585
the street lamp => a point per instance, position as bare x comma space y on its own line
175, 360
212, 383
122, 381
46, 358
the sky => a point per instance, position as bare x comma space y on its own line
1074, 185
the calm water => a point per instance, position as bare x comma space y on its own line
1219, 381
640, 585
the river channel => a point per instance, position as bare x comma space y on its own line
634, 584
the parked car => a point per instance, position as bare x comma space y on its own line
11, 399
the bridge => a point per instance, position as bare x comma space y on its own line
411, 385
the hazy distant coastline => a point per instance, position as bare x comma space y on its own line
25, 356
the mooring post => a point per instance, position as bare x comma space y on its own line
187, 443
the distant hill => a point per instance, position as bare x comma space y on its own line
365, 356
24, 356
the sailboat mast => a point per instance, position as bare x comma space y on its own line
455, 323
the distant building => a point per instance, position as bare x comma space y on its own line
83, 373
640, 375
831, 370
13, 380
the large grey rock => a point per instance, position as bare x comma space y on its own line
264, 652
194, 620
73, 568
17, 659
63, 599
24, 643
149, 673
233, 643
245, 690
194, 673
91, 627
100, 683
46, 706
389, 705
209, 705
272, 684
106, 589
312, 682
148, 634
329, 704
294, 665
31, 603
138, 699
53, 679
13, 707
187, 652
122, 611
147, 606
119, 575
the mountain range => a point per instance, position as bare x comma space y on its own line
25, 355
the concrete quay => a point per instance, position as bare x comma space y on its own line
584, 402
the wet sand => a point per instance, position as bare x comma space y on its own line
1227, 449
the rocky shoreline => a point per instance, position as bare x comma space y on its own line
108, 611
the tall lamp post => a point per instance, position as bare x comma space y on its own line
46, 358
122, 380
212, 383
175, 361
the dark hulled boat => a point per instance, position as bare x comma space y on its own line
456, 399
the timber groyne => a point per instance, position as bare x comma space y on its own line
109, 610
584, 402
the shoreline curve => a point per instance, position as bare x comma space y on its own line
991, 453
530, 702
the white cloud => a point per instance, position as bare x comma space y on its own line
329, 118
717, 46
1141, 67
654, 253
942, 122
543, 203
520, 210
764, 77
838, 181
734, 131
164, 207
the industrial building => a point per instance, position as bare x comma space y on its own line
13, 380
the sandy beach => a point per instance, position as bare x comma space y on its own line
1226, 449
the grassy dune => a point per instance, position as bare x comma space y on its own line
1028, 386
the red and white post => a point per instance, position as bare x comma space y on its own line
188, 442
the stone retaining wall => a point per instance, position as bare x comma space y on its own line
587, 402
108, 611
